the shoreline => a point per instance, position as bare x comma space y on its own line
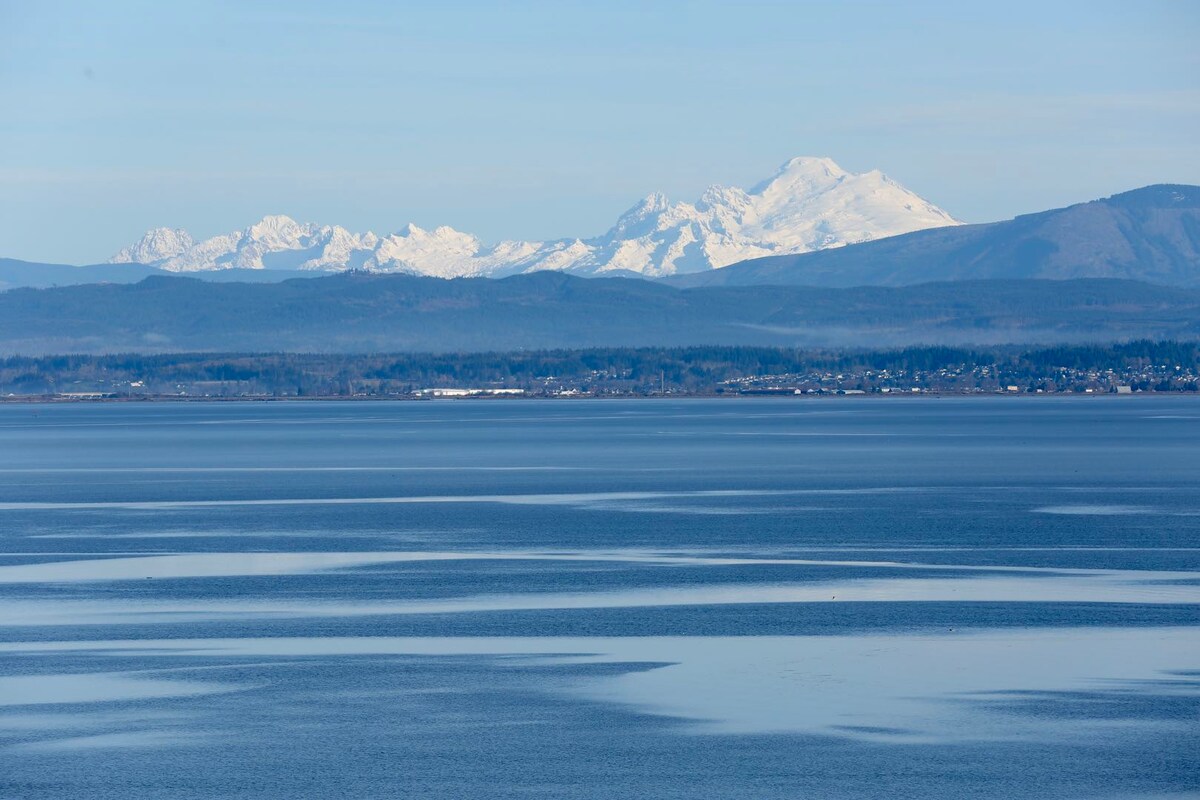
716, 371
730, 397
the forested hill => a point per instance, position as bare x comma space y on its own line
362, 312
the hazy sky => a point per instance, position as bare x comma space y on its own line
543, 120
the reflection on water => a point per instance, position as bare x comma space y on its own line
1116, 587
201, 565
659, 599
92, 687
895, 687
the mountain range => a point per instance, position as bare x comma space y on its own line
1126, 266
1150, 234
810, 204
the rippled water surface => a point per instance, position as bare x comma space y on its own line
777, 598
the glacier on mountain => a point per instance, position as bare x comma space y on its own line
809, 204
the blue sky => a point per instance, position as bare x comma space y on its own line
543, 120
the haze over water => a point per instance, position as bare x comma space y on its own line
776, 598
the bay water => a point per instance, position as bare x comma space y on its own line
751, 598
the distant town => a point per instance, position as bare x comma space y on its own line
1130, 368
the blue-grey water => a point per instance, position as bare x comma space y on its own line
776, 598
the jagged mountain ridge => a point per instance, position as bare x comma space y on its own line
810, 204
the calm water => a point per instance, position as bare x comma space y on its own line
906, 598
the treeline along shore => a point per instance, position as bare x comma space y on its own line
1133, 367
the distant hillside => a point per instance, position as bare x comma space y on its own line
16, 274
1150, 234
361, 312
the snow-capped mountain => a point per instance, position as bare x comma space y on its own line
156, 247
810, 204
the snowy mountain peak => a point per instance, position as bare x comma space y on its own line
655, 201
802, 176
811, 166
809, 204
276, 227
268, 235
274, 222
155, 245
640, 219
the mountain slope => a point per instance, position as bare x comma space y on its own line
810, 204
361, 312
1149, 234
